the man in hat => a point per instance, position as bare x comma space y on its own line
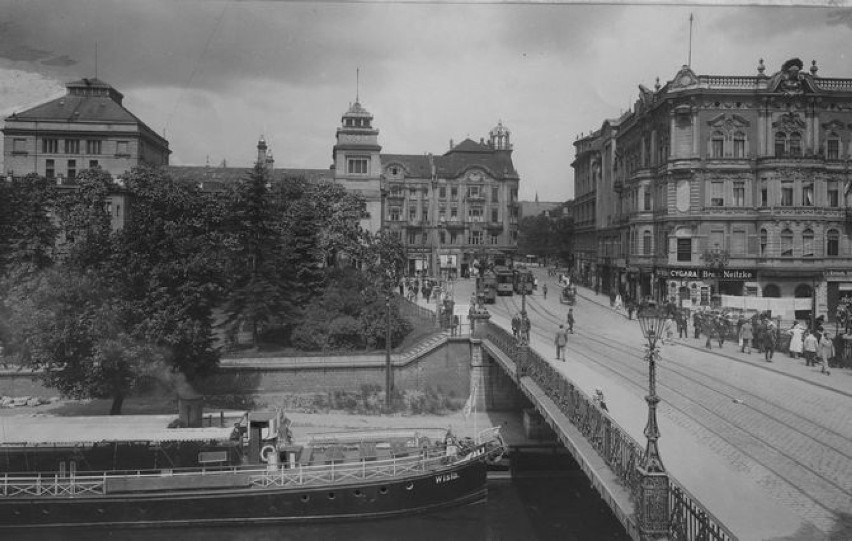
561, 341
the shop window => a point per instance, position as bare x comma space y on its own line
772, 291
808, 243
786, 243
832, 247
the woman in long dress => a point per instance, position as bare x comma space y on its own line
796, 342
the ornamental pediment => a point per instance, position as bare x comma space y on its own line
789, 121
728, 122
792, 80
834, 125
684, 78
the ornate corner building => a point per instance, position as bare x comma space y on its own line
736, 186
454, 210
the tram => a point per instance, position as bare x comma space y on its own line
522, 281
504, 277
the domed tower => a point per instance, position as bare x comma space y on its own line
357, 165
499, 137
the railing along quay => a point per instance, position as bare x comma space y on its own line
689, 520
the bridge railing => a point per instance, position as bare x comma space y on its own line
623, 454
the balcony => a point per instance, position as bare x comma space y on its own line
476, 198
454, 224
494, 226
396, 195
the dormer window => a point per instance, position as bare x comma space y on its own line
395, 171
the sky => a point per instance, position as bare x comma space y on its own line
213, 76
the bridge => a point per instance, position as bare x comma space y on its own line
753, 450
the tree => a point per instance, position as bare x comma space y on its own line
535, 236
27, 233
716, 259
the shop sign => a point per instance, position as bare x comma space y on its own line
697, 273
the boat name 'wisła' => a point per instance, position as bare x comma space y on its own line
446, 477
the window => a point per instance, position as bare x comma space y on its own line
832, 247
396, 190
808, 243
454, 193
49, 168
72, 169
19, 146
425, 214
493, 238
514, 235
72, 146
93, 164
453, 238
473, 191
424, 238
717, 145
394, 171
412, 192
646, 243
738, 242
93, 146
739, 145
50, 146
109, 208
833, 195
495, 194
684, 249
764, 240
442, 213
786, 243
442, 237
808, 195
121, 148
717, 239
646, 198
832, 147
454, 213
780, 144
739, 194
393, 214
717, 198
412, 237
795, 144
474, 214
764, 195
442, 192
356, 166
412, 213
787, 194
772, 291
475, 237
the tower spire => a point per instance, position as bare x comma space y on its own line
96, 60
357, 84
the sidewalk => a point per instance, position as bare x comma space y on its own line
840, 379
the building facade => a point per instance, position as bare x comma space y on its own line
457, 211
733, 189
87, 127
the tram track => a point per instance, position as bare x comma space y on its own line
634, 377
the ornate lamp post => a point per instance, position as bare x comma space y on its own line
523, 335
654, 483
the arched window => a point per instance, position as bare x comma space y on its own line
780, 143
717, 144
803, 291
771, 290
795, 144
786, 242
646, 243
832, 247
832, 146
764, 241
739, 145
808, 243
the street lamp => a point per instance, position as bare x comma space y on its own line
651, 321
388, 372
523, 335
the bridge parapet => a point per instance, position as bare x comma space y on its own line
687, 518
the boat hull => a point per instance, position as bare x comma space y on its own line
462, 484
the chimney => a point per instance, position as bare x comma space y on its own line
190, 406
451, 144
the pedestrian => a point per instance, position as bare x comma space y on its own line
696, 322
769, 340
569, 318
796, 340
525, 327
544, 290
612, 299
668, 330
618, 304
826, 352
722, 325
681, 325
810, 348
561, 341
746, 335
599, 399
709, 329
516, 325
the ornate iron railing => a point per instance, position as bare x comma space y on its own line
689, 519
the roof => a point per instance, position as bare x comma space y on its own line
416, 165
78, 109
453, 164
24, 430
217, 178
